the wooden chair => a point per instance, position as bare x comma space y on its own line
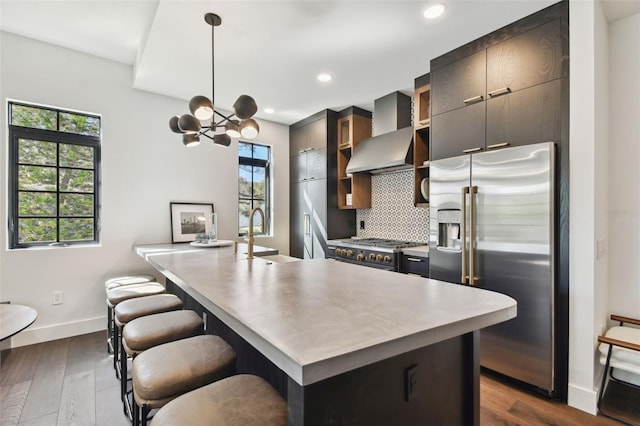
620, 351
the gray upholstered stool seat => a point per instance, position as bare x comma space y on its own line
131, 309
148, 331
138, 286
165, 372
116, 282
245, 400
128, 310
120, 294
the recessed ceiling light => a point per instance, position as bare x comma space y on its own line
434, 11
325, 77
269, 110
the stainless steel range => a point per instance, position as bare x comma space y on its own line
374, 252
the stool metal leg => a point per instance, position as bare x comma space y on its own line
123, 375
109, 329
116, 348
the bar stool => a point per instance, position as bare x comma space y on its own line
167, 371
131, 309
122, 293
145, 332
238, 400
116, 282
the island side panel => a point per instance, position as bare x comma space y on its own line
447, 387
248, 359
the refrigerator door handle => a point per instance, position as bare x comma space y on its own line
473, 279
463, 235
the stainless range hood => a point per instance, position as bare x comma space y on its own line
389, 149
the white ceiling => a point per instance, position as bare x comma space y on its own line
271, 50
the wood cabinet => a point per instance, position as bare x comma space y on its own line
354, 191
314, 215
421, 126
519, 103
459, 84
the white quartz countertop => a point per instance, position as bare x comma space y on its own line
318, 318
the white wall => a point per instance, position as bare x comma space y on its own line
605, 186
588, 189
144, 167
624, 198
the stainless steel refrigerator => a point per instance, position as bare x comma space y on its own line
492, 226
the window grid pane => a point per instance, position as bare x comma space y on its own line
53, 176
253, 185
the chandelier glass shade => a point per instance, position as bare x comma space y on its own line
239, 124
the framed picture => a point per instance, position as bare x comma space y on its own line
188, 220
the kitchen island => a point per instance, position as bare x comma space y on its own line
344, 344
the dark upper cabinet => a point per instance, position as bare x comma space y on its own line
525, 60
457, 131
459, 84
314, 214
527, 116
521, 100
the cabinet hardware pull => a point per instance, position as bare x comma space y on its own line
473, 280
307, 224
302, 151
463, 235
470, 150
310, 178
501, 91
498, 145
473, 99
413, 259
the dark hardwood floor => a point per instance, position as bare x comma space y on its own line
72, 382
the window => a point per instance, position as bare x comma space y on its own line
54, 159
253, 185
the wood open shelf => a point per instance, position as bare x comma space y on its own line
421, 122
352, 128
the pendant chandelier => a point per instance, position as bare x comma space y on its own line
238, 124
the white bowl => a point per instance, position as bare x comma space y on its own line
424, 188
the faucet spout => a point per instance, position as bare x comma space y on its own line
250, 239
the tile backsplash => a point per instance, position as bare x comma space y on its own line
392, 214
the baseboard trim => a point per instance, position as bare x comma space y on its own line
583, 399
32, 336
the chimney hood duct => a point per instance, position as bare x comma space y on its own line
389, 149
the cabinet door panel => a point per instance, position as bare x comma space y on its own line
298, 168
296, 243
527, 116
316, 164
526, 60
317, 193
462, 80
297, 140
455, 131
317, 134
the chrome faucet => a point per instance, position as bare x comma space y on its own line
250, 240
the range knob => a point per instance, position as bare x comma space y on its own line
339, 252
360, 257
387, 259
349, 253
372, 256
379, 258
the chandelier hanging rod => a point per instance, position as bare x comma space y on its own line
203, 109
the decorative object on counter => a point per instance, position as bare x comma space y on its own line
188, 220
203, 109
349, 199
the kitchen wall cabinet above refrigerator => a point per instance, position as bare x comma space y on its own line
314, 213
506, 93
